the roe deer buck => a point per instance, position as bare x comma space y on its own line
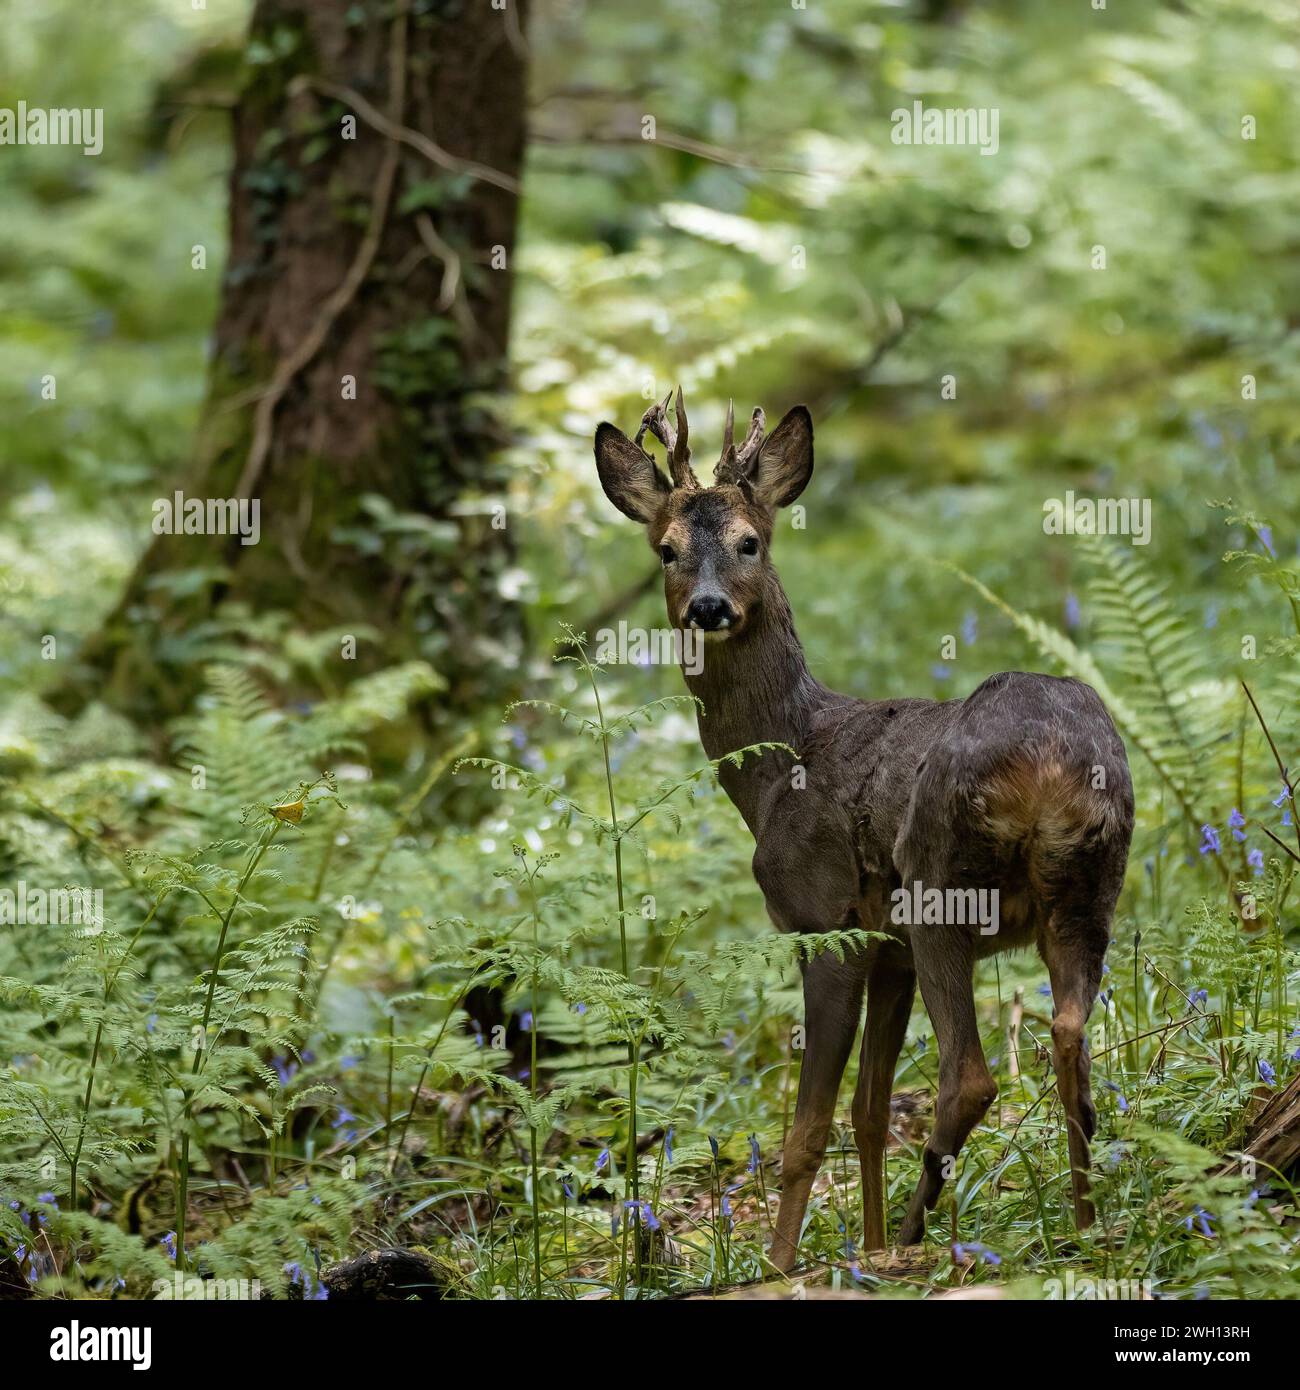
1022, 787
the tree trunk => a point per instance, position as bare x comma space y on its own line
359, 346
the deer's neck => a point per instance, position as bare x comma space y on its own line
756, 688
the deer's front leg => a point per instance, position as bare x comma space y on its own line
891, 987
832, 993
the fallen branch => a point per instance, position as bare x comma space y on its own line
383, 1275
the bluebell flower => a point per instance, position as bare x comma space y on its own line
526, 1021
1120, 1099
1200, 996
976, 1251
602, 1158
969, 628
168, 1243
1235, 822
566, 1182
668, 1144
1211, 618
1266, 1073
1203, 1221
580, 1008
753, 1153
1210, 843
284, 1069
151, 1023
643, 1209
1266, 540
1256, 861
1073, 616
347, 1063
1282, 797
940, 671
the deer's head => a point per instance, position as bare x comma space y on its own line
713, 542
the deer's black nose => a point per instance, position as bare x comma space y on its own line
710, 612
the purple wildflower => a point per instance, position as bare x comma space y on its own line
1203, 1221
1210, 843
975, 1251
643, 1210
1120, 1099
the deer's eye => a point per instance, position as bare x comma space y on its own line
667, 554
749, 546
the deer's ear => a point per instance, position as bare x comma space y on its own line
785, 462
630, 479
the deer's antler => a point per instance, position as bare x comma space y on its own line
736, 464
675, 441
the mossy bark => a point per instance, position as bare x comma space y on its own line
400, 399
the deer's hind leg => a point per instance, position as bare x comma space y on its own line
945, 964
1073, 944
832, 991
